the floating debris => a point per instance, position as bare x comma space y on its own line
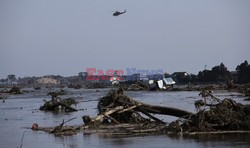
57, 104
226, 115
120, 115
34, 126
37, 88
75, 86
124, 113
57, 93
15, 90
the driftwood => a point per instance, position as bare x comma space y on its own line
135, 87
205, 93
166, 110
150, 116
127, 129
58, 129
122, 109
130, 108
55, 94
100, 117
15, 90
225, 116
111, 118
136, 105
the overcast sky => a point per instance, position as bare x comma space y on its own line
40, 37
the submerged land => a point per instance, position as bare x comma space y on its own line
20, 112
139, 107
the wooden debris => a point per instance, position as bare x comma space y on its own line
15, 90
227, 115
121, 115
107, 113
60, 128
56, 104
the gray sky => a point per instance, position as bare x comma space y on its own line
39, 37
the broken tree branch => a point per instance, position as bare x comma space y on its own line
111, 118
100, 117
58, 128
158, 109
130, 108
150, 116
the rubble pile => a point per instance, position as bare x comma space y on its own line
115, 99
58, 104
118, 115
227, 115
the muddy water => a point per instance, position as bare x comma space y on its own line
21, 111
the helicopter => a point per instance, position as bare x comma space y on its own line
118, 13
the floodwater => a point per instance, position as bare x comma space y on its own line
21, 111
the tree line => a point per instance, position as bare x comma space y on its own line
219, 74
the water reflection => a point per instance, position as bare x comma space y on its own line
95, 140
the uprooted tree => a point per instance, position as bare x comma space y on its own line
118, 108
225, 115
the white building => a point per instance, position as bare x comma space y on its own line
47, 81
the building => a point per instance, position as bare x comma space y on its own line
181, 77
168, 81
180, 74
45, 81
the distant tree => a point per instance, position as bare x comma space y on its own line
3, 80
217, 74
220, 73
181, 77
11, 78
193, 78
167, 75
81, 75
57, 77
243, 72
31, 81
205, 76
